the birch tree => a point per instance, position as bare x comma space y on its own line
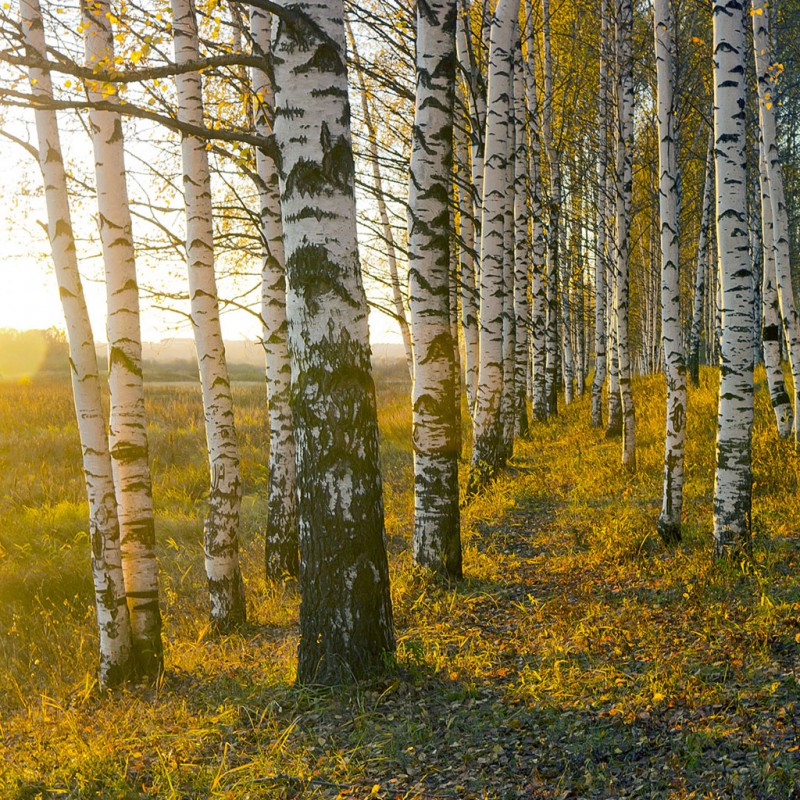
522, 251
437, 538
471, 217
624, 179
553, 233
766, 73
538, 330
771, 313
669, 522
128, 421
702, 261
601, 227
281, 555
221, 529
733, 477
488, 448
116, 647
346, 615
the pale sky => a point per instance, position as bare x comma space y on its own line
29, 296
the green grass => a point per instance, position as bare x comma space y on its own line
577, 658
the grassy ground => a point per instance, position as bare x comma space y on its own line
577, 658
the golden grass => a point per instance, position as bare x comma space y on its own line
578, 657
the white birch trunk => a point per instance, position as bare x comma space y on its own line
346, 627
281, 554
221, 529
469, 205
771, 319
437, 537
466, 264
487, 454
538, 331
766, 73
128, 420
600, 271
669, 522
624, 175
522, 251
553, 237
508, 401
116, 651
702, 261
733, 479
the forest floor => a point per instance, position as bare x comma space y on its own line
578, 657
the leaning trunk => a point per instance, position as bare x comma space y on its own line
116, 652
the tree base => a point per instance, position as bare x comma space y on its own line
669, 531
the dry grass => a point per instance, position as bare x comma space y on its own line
577, 658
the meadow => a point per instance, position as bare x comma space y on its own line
577, 658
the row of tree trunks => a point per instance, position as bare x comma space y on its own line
488, 448
113, 619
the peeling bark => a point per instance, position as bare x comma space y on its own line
346, 629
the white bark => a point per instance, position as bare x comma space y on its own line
553, 237
346, 614
466, 263
488, 433
508, 399
436, 539
221, 530
116, 651
669, 522
281, 554
624, 176
538, 330
128, 420
522, 251
702, 261
600, 270
733, 479
771, 319
766, 74
469, 203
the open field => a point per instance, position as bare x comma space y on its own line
578, 657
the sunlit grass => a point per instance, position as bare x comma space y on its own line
578, 654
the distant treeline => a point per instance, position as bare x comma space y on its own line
32, 353
46, 353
